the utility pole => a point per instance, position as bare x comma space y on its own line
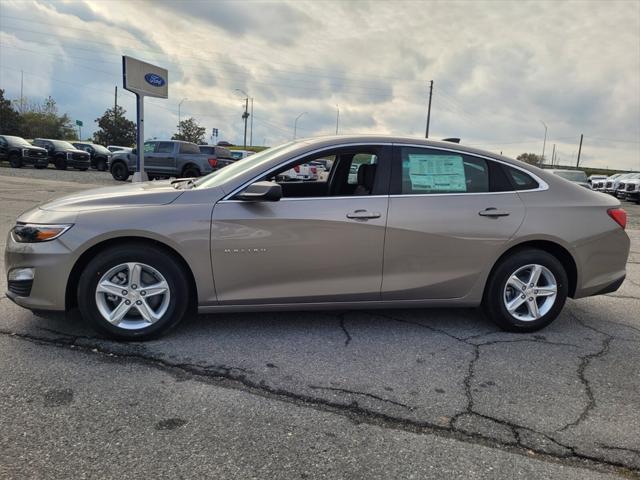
337, 117
579, 151
245, 116
251, 130
21, 91
544, 142
426, 135
115, 100
553, 155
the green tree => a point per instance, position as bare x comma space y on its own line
10, 120
43, 120
530, 158
115, 129
190, 131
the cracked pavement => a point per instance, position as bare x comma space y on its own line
429, 393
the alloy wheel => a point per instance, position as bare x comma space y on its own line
132, 296
530, 292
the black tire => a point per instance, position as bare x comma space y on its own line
190, 171
15, 161
166, 264
493, 303
101, 165
61, 163
119, 171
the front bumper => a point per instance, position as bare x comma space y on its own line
51, 263
78, 163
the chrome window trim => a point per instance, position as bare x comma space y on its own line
542, 185
298, 199
291, 160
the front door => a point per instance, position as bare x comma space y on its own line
323, 241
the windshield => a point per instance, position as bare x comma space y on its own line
573, 176
62, 144
100, 149
253, 162
18, 141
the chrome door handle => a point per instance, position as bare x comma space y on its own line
493, 212
363, 215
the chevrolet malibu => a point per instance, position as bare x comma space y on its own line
420, 224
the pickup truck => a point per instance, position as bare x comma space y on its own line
166, 158
62, 154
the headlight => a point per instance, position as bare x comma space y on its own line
34, 233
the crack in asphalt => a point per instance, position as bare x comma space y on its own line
217, 373
365, 394
342, 317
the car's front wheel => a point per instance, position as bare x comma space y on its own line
526, 291
133, 292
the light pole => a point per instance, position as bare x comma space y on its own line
544, 143
245, 115
180, 126
337, 117
295, 125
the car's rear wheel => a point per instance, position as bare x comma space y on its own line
15, 161
190, 171
133, 292
119, 171
526, 291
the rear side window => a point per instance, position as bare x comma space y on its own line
520, 180
428, 171
165, 147
187, 148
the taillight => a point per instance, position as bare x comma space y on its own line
297, 168
619, 215
213, 162
313, 170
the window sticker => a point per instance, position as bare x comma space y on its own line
437, 173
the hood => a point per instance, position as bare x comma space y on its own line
74, 150
132, 195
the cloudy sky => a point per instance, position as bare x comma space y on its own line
500, 68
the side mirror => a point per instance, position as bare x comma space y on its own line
261, 192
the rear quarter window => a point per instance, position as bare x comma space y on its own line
520, 180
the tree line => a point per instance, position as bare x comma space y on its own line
31, 119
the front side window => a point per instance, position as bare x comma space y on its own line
429, 172
149, 147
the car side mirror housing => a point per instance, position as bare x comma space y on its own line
261, 192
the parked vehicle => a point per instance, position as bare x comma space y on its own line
303, 172
164, 159
621, 191
18, 152
99, 155
427, 224
575, 176
594, 179
222, 155
611, 187
240, 154
608, 183
62, 154
117, 148
633, 190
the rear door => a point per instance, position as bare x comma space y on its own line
323, 241
449, 215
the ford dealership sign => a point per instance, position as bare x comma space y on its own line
144, 78
154, 79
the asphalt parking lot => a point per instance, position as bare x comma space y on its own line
363, 394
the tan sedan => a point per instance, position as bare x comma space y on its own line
419, 224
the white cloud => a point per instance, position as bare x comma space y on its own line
499, 67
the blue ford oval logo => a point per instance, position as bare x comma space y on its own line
154, 79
